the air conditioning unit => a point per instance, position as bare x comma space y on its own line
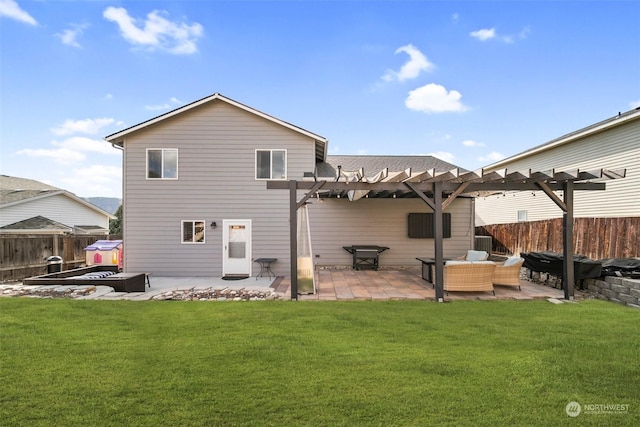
483, 243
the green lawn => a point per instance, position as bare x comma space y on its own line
493, 363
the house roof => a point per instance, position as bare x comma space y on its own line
37, 223
119, 137
617, 120
14, 190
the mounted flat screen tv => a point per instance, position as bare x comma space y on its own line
421, 225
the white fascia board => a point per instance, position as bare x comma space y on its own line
64, 193
118, 137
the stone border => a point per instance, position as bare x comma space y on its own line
18, 290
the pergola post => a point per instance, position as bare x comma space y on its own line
437, 241
567, 241
293, 237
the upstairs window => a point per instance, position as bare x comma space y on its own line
271, 164
192, 231
162, 163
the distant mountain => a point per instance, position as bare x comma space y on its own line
109, 204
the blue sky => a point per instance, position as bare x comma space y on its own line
470, 82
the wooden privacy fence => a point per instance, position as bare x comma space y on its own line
25, 255
596, 238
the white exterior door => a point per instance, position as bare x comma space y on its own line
236, 250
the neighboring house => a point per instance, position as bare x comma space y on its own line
614, 142
32, 207
196, 203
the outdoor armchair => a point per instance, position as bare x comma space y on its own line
508, 274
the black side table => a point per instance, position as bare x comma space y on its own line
265, 267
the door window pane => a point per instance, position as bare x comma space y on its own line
237, 241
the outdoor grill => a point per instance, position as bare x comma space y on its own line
621, 267
365, 256
552, 263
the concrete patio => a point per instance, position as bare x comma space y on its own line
339, 284
399, 284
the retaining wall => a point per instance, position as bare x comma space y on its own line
617, 289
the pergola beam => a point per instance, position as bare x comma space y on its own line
318, 185
544, 187
455, 194
447, 187
421, 195
431, 187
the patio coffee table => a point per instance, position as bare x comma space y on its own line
427, 264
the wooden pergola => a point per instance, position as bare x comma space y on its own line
438, 190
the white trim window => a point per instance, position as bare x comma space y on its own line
162, 163
193, 231
522, 216
271, 164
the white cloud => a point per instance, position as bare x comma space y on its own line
525, 32
443, 155
108, 97
416, 64
164, 106
11, 9
156, 32
72, 150
455, 18
84, 144
472, 143
64, 156
634, 104
434, 98
484, 34
157, 107
94, 180
491, 157
490, 34
70, 35
87, 126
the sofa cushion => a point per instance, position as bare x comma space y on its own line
476, 255
456, 262
512, 261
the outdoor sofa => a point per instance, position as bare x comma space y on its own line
469, 276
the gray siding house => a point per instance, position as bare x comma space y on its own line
614, 142
196, 202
